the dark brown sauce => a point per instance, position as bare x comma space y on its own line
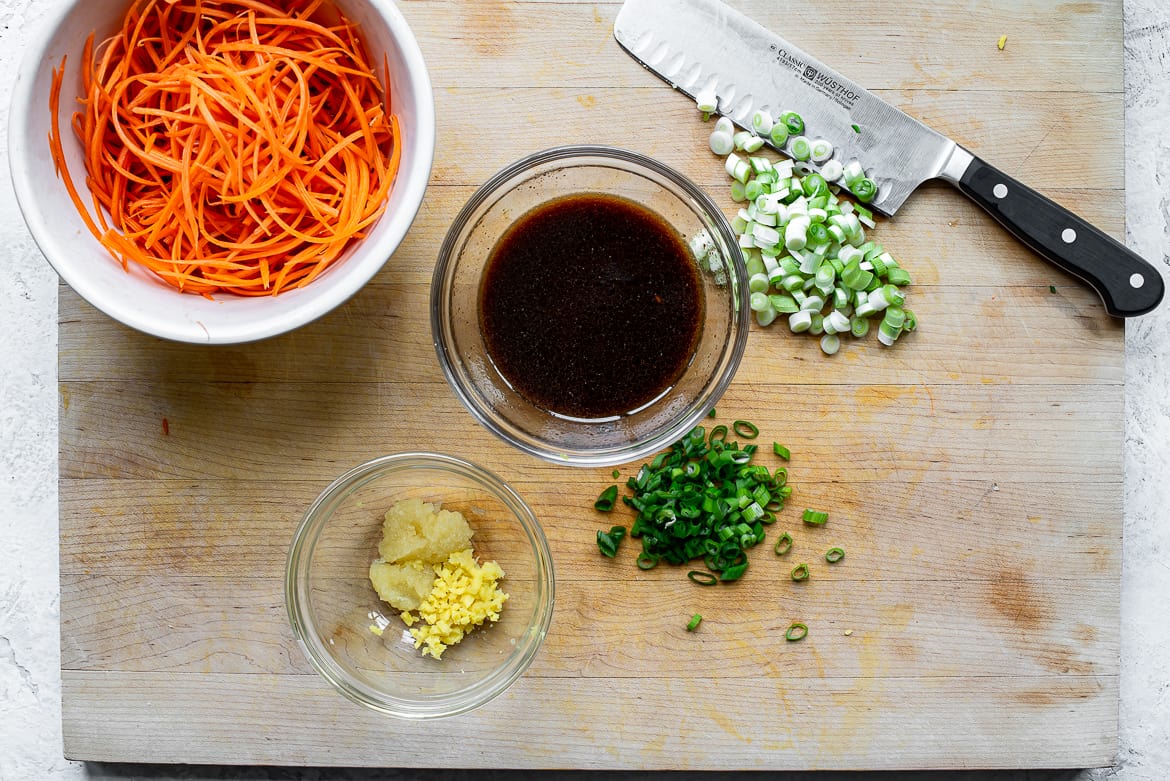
591, 305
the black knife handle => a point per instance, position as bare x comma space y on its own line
1127, 284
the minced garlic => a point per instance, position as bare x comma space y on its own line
465, 595
426, 564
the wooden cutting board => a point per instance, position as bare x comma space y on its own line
973, 473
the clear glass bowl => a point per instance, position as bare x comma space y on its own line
332, 606
455, 320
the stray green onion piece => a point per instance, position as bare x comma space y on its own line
745, 429
1052, 288
781, 451
783, 544
833, 555
616, 474
607, 542
711, 414
605, 502
800, 572
703, 577
797, 631
856, 128
693, 624
815, 517
646, 561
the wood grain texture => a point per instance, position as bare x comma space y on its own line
973, 473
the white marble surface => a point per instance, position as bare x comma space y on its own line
30, 730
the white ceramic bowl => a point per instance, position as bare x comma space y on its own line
139, 299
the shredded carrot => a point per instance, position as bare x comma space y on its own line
232, 146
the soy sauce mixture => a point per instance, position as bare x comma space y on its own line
591, 305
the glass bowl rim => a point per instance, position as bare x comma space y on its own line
687, 190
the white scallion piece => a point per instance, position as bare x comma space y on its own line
753, 144
813, 303
832, 170
800, 148
830, 343
839, 320
765, 236
762, 122
852, 172
725, 125
796, 233
707, 102
820, 150
721, 143
799, 322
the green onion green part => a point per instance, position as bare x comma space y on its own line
833, 555
702, 577
783, 544
797, 631
745, 429
693, 624
814, 517
607, 542
800, 572
605, 502
781, 451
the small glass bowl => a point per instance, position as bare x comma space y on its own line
332, 606
455, 316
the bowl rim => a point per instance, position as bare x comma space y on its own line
411, 182
437, 706
609, 456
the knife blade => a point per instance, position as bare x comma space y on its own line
705, 46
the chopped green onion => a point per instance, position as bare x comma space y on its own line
693, 624
605, 502
783, 544
781, 451
762, 122
856, 128
864, 189
707, 102
616, 474
821, 150
793, 122
833, 555
607, 542
745, 429
814, 517
805, 242
779, 135
800, 148
721, 143
702, 577
800, 572
797, 631
646, 561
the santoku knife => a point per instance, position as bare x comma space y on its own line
704, 46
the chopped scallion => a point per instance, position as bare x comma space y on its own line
814, 517
605, 502
693, 624
797, 631
833, 555
800, 572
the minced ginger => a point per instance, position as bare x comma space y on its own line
426, 564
